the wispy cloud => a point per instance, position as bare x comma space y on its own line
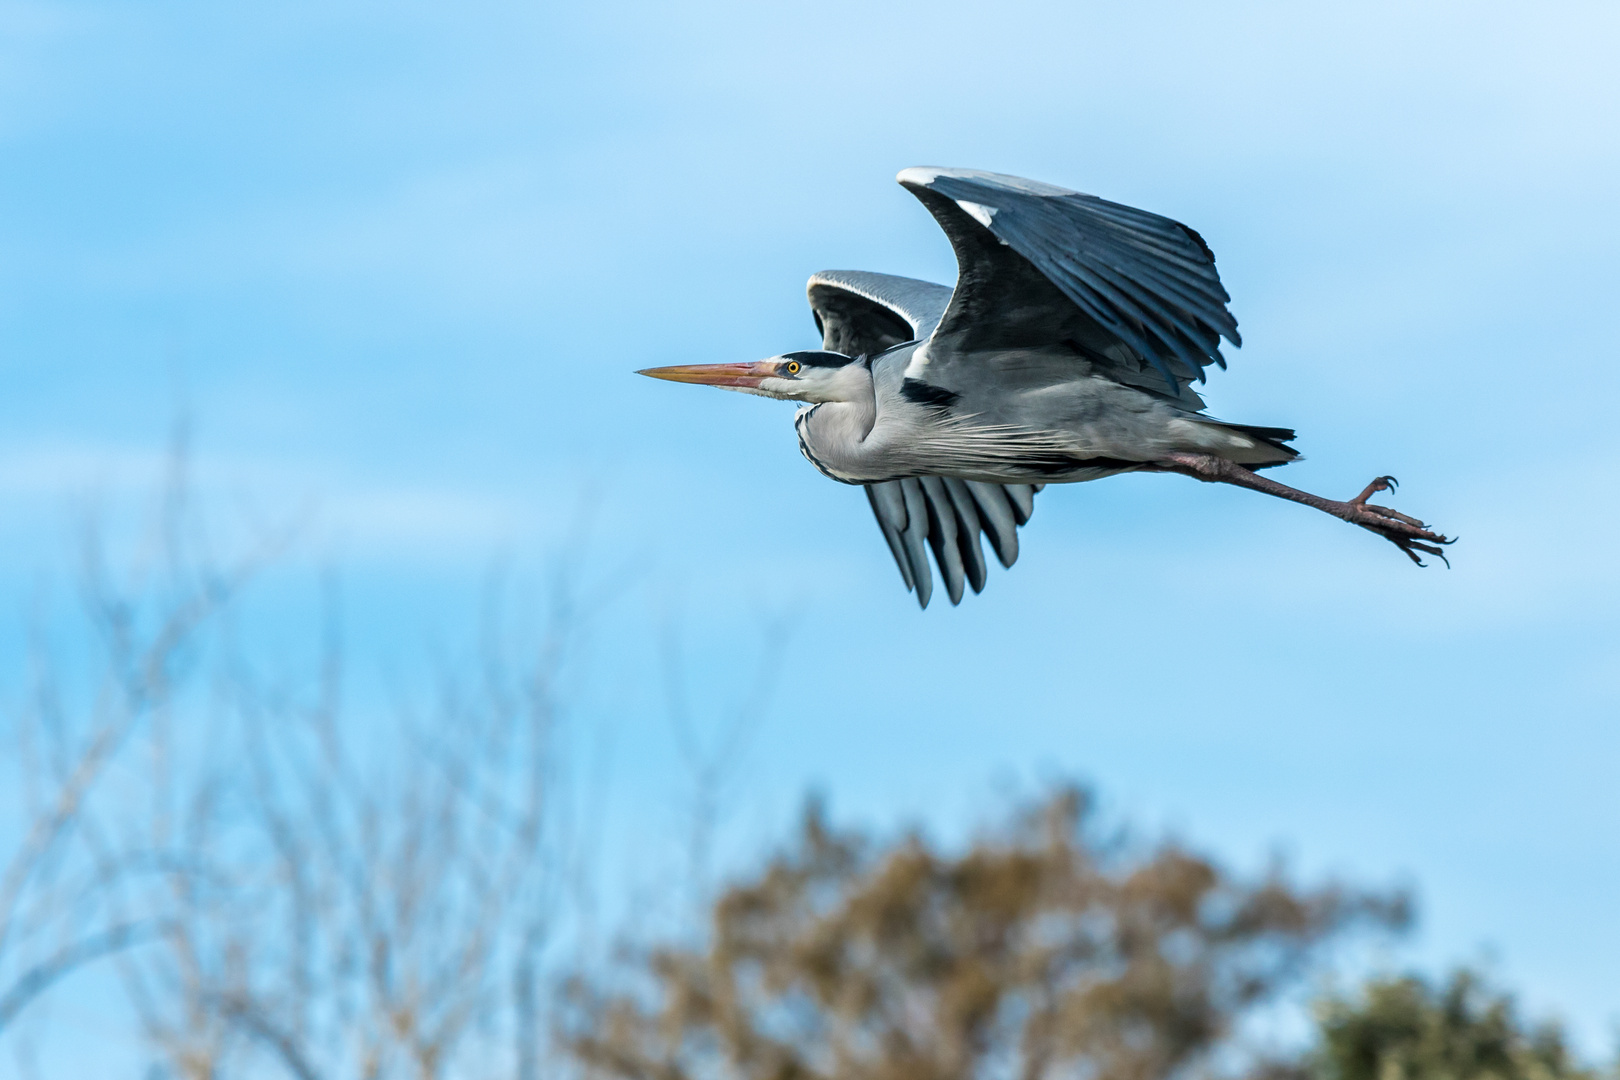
44, 488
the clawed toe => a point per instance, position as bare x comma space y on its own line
1384, 511
1412, 546
1382, 483
1407, 533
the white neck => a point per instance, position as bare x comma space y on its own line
833, 435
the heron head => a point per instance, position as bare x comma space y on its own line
812, 376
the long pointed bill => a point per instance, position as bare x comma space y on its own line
734, 376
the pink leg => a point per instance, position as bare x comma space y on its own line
1407, 533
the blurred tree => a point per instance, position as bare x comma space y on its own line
365, 896
1043, 950
286, 886
87, 720
1407, 1028
289, 887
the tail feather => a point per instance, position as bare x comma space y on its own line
1273, 435
1273, 438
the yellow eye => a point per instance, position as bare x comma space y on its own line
793, 367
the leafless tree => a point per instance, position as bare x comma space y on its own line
288, 882
365, 895
74, 745
711, 752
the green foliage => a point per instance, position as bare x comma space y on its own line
1409, 1029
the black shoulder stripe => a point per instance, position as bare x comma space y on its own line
920, 393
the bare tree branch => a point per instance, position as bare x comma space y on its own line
39, 978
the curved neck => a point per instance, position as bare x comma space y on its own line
833, 435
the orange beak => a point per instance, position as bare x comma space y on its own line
746, 376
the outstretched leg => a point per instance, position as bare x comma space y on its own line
1407, 533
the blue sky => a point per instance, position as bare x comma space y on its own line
398, 260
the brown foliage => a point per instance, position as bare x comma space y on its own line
1042, 950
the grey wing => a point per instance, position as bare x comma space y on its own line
946, 515
860, 313
1039, 265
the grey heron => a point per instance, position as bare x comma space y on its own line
1066, 352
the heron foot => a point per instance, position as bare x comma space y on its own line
1407, 533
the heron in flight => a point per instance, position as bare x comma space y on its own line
1066, 352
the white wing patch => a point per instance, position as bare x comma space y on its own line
924, 175
979, 212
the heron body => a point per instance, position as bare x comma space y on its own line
1066, 352
1048, 418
